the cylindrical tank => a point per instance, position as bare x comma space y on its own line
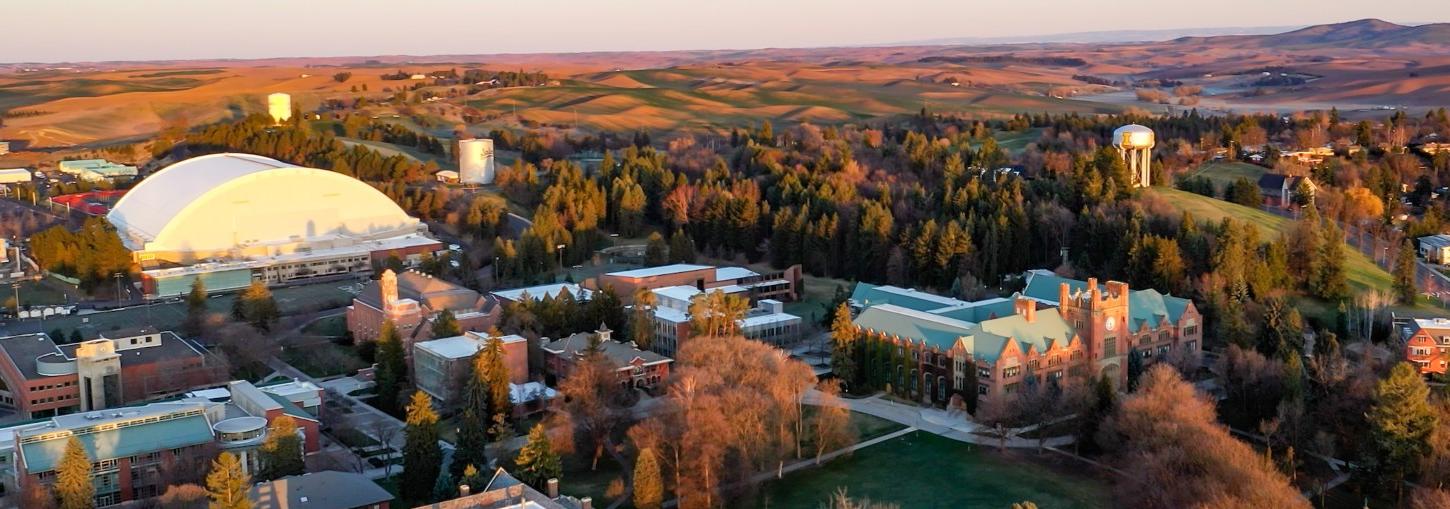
1135, 144
1133, 136
279, 106
475, 161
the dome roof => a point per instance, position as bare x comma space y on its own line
221, 201
1134, 134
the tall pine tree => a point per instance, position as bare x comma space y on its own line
73, 478
1405, 274
422, 457
843, 347
195, 309
537, 462
649, 486
227, 483
392, 368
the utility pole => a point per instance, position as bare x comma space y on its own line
117, 276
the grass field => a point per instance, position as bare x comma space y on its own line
816, 296
37, 293
922, 470
1223, 174
1363, 273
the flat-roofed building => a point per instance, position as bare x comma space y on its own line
541, 292
1435, 248
15, 176
96, 170
766, 322
43, 378
441, 366
328, 489
775, 285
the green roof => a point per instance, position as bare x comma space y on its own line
866, 295
980, 311
934, 330
290, 408
984, 340
121, 442
1145, 307
1047, 328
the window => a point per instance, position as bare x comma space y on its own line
1011, 372
1054, 361
1190, 330
1144, 340
984, 373
1076, 355
941, 388
1010, 388
1163, 350
1110, 347
981, 390
1192, 346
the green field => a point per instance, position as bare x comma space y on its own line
1223, 174
1363, 273
922, 470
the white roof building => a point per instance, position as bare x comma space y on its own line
225, 205
539, 292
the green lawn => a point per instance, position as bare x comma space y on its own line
816, 295
1016, 142
925, 470
327, 326
1363, 273
1223, 174
324, 359
37, 293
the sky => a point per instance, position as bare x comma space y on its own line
97, 30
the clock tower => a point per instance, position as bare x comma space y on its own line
1099, 314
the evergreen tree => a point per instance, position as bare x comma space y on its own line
537, 462
73, 477
1405, 274
445, 325
1333, 281
494, 374
844, 346
195, 309
445, 489
1401, 422
473, 478
649, 486
641, 321
227, 483
1135, 367
682, 248
282, 451
392, 369
422, 457
656, 251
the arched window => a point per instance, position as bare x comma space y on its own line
941, 388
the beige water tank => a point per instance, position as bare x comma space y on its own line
475, 161
1135, 144
279, 106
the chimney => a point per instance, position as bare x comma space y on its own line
1093, 289
553, 487
1025, 307
462, 490
586, 503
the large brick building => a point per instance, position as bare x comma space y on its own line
781, 285
635, 368
1056, 330
441, 366
42, 378
412, 300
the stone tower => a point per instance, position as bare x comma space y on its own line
1100, 316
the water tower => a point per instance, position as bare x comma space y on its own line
475, 161
279, 106
1135, 145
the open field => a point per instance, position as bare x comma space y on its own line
1222, 174
1363, 273
926, 470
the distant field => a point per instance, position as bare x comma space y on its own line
1223, 174
1016, 142
1363, 273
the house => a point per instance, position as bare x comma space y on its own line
1427, 344
1311, 156
412, 300
1435, 248
1278, 189
328, 489
635, 368
1056, 330
504, 491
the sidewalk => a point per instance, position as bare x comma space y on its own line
941, 422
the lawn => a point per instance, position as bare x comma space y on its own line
46, 291
816, 296
926, 470
333, 326
1223, 174
1363, 273
324, 359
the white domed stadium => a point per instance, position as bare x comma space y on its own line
231, 218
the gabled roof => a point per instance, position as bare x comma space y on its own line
1041, 333
1146, 308
117, 433
867, 295
934, 330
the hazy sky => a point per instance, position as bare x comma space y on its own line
75, 30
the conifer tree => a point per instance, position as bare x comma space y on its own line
1401, 422
256, 306
227, 483
1405, 274
649, 487
392, 368
537, 462
195, 309
843, 346
445, 325
73, 477
422, 457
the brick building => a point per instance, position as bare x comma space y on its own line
781, 285
1427, 343
42, 378
1056, 330
441, 368
412, 300
640, 369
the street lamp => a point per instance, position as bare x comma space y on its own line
117, 275
560, 250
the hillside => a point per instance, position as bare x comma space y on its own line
1372, 34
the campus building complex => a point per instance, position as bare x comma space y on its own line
42, 378
412, 300
231, 219
1056, 330
766, 322
96, 170
441, 366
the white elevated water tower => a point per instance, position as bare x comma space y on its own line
1135, 145
475, 161
279, 106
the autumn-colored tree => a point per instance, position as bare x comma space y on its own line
183, 496
832, 422
717, 313
537, 462
282, 450
73, 485
256, 306
422, 456
1167, 439
844, 335
594, 400
228, 483
641, 321
649, 487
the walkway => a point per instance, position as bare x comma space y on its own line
941, 422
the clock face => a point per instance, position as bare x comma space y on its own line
1112, 323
